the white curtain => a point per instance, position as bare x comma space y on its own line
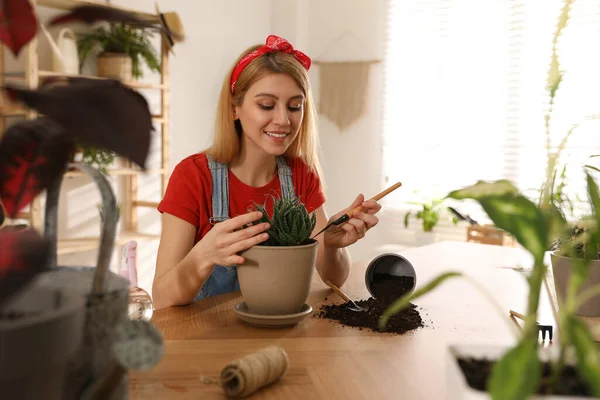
465, 97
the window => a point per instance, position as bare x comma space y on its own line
465, 97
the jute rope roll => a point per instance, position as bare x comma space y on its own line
246, 375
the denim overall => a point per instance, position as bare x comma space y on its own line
224, 279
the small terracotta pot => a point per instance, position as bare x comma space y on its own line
275, 280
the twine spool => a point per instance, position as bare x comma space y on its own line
246, 375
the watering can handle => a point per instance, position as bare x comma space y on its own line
66, 32
54, 45
109, 223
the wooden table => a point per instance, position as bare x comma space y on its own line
329, 361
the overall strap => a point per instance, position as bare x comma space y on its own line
220, 191
285, 178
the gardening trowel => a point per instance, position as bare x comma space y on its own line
351, 304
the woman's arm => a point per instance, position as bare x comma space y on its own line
182, 267
333, 260
180, 272
333, 264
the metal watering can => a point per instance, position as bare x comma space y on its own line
106, 294
65, 58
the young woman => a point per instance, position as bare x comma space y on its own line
265, 143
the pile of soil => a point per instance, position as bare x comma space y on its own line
386, 289
478, 370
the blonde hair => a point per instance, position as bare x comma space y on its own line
227, 135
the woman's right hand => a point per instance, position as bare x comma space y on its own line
222, 243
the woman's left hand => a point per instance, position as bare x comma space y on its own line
356, 227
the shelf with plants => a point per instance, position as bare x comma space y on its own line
113, 38
69, 4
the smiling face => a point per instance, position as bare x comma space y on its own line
271, 114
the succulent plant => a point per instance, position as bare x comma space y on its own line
578, 238
291, 225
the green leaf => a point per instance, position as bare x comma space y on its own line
521, 218
484, 189
406, 217
594, 196
516, 374
592, 167
405, 300
587, 352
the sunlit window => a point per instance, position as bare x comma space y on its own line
465, 94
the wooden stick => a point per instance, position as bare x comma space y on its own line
338, 291
516, 314
377, 197
512, 317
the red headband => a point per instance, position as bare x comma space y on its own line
274, 43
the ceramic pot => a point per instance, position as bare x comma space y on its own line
275, 280
425, 238
561, 270
459, 389
103, 312
40, 329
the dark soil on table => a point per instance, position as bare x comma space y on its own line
386, 291
478, 370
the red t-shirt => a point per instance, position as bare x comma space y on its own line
189, 192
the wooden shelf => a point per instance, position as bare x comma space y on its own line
12, 111
69, 4
75, 245
133, 84
118, 172
126, 173
140, 203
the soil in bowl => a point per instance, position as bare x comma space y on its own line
478, 370
386, 291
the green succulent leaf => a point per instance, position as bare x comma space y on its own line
291, 225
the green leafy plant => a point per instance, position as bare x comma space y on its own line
558, 193
578, 238
517, 374
97, 157
430, 214
593, 167
291, 225
119, 38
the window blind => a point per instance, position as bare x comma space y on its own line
465, 99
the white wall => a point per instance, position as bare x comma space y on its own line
216, 32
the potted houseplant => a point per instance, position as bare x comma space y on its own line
56, 324
276, 276
572, 366
123, 49
429, 213
524, 369
577, 242
93, 156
